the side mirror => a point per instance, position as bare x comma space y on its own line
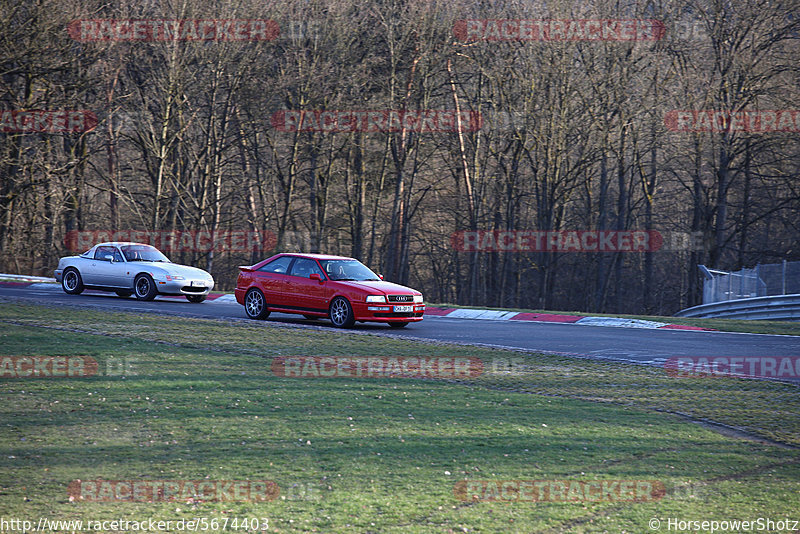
380, 276
109, 257
316, 276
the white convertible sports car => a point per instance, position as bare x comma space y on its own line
131, 269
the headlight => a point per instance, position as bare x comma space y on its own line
418, 298
170, 278
376, 298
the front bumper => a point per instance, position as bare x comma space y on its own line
184, 287
385, 313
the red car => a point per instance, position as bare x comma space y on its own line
321, 286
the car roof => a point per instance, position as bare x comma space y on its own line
119, 244
317, 256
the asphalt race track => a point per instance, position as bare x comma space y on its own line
644, 346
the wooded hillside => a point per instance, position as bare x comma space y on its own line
573, 134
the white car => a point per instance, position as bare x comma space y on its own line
131, 269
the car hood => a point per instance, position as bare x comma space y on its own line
174, 269
384, 287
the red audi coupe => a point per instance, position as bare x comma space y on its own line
321, 286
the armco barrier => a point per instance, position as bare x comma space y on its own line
777, 308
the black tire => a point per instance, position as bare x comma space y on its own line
311, 317
71, 282
196, 299
144, 288
341, 313
255, 305
398, 324
124, 293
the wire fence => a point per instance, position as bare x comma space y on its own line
760, 281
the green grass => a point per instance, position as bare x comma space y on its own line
198, 400
788, 328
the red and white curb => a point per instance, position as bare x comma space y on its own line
501, 315
23, 279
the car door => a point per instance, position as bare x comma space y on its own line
308, 294
92, 273
272, 280
119, 272
107, 272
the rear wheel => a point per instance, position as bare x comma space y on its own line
71, 282
254, 304
144, 287
341, 313
398, 325
123, 293
196, 298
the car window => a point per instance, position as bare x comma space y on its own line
143, 253
348, 270
280, 266
304, 267
100, 253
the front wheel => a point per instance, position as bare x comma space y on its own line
145, 287
196, 298
342, 313
398, 324
254, 304
72, 283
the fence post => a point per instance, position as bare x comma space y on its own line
783, 278
758, 280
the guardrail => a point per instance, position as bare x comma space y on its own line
777, 308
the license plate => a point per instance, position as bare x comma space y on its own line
403, 309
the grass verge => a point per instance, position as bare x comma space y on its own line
197, 399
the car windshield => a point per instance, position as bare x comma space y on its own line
348, 270
142, 253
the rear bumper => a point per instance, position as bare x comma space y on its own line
57, 275
239, 293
